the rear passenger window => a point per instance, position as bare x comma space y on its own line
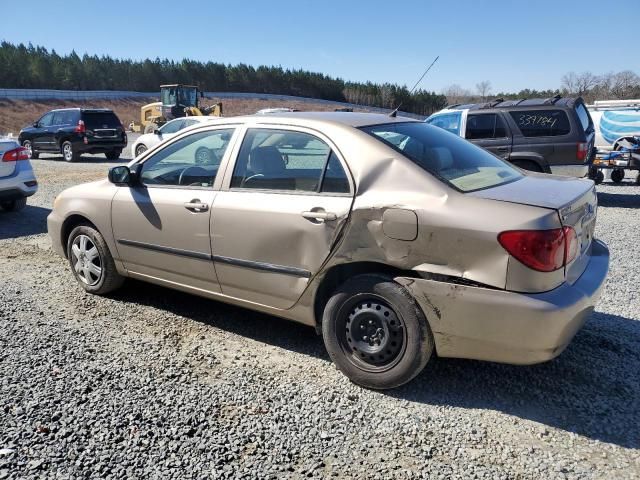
287, 160
488, 125
63, 118
335, 178
542, 123
584, 117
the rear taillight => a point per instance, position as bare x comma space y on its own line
582, 151
16, 154
80, 128
541, 250
572, 245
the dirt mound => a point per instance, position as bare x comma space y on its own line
16, 114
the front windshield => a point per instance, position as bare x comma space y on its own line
168, 96
449, 121
452, 159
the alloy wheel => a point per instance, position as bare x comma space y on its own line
86, 260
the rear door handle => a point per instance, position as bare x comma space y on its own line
196, 206
321, 215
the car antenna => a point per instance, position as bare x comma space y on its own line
395, 112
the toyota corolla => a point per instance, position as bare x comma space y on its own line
395, 239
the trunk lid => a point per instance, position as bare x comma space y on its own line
574, 199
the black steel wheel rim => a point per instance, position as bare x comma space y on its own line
372, 334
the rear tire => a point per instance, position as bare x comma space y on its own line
68, 152
91, 262
14, 205
617, 175
376, 333
29, 146
599, 177
140, 149
150, 128
529, 166
113, 154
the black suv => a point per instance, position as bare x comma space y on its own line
74, 131
552, 135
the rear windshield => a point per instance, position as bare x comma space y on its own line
100, 120
452, 159
542, 123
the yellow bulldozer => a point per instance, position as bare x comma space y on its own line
176, 101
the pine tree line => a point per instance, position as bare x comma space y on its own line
35, 67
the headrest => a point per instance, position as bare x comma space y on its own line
266, 160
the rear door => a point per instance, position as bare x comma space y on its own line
489, 131
288, 196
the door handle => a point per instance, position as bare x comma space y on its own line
196, 206
502, 149
321, 215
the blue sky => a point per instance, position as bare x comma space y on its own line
513, 44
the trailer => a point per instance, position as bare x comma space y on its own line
626, 156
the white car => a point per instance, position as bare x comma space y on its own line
17, 180
166, 131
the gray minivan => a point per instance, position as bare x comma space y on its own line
552, 135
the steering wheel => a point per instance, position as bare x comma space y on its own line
192, 171
252, 177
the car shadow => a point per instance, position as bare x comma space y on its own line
28, 221
592, 389
124, 159
619, 200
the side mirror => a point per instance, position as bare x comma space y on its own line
157, 132
120, 175
36, 124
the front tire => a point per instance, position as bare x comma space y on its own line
91, 262
68, 152
13, 205
376, 333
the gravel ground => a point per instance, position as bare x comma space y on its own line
152, 383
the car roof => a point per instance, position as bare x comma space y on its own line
351, 119
89, 110
557, 101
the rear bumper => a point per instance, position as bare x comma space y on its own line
508, 327
579, 171
20, 184
94, 146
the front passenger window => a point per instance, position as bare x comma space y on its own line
46, 120
192, 161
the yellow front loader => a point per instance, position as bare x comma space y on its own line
176, 101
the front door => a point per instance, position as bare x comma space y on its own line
161, 225
489, 131
43, 135
289, 196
